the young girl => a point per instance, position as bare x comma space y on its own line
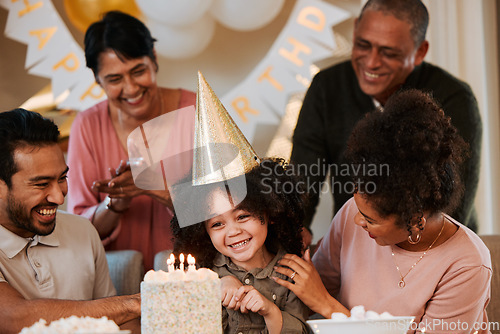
243, 243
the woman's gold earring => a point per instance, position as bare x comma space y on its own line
417, 239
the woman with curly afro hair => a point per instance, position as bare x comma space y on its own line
393, 247
242, 240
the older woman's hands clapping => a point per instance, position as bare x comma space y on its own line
121, 186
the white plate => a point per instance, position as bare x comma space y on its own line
396, 325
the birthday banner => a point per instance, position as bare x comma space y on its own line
52, 51
260, 99
286, 69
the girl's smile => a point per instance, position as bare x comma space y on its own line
239, 235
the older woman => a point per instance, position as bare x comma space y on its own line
392, 247
120, 51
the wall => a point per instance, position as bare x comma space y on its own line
464, 40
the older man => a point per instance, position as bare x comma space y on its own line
388, 53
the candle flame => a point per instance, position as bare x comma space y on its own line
181, 258
172, 257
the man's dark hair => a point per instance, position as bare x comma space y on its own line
20, 128
120, 32
412, 11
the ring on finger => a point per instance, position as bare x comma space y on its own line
293, 275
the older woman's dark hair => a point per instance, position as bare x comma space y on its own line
273, 191
120, 32
410, 157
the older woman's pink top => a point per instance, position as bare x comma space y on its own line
447, 291
93, 148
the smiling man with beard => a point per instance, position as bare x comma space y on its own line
52, 264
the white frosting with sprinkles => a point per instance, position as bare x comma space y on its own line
181, 302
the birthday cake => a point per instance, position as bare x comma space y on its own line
181, 301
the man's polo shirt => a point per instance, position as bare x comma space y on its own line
70, 263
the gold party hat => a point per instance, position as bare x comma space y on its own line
221, 150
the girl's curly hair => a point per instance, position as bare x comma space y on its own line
422, 150
273, 191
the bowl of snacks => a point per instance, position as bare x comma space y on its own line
362, 322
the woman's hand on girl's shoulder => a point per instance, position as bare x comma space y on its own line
307, 284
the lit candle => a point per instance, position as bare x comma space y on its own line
170, 263
191, 262
181, 259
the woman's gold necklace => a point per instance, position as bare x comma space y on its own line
401, 282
